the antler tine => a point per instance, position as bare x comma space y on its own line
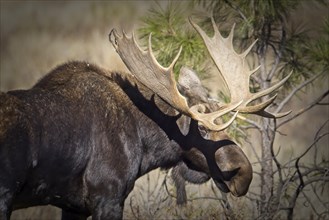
209, 119
113, 41
269, 90
229, 38
150, 51
246, 52
235, 71
254, 70
173, 63
214, 26
144, 66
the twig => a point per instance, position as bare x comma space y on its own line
308, 200
132, 208
236, 8
277, 163
279, 53
297, 159
167, 190
251, 122
299, 189
303, 183
254, 150
295, 90
316, 136
205, 198
300, 112
314, 143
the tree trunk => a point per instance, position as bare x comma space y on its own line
267, 139
267, 136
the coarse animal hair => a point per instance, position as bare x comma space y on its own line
82, 135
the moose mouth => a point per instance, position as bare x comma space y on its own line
232, 189
231, 184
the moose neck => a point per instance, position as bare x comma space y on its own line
166, 119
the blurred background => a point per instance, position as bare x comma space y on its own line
36, 36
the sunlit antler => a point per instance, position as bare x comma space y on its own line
143, 65
235, 71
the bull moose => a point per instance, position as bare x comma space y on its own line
81, 136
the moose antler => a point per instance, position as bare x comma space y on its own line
143, 65
234, 69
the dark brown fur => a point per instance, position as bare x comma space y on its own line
81, 137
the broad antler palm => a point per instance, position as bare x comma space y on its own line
234, 70
143, 65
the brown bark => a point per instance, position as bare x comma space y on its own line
267, 136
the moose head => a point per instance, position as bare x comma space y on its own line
219, 158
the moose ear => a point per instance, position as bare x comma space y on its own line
190, 85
